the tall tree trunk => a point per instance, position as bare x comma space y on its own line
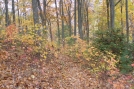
18, 12
82, 14
44, 10
13, 11
121, 15
75, 18
57, 18
80, 18
6, 14
68, 9
127, 23
69, 17
87, 22
35, 11
112, 14
41, 15
62, 15
107, 3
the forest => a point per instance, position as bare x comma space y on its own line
66, 44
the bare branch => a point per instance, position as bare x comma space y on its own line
117, 2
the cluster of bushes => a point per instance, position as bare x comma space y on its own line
23, 42
107, 44
115, 41
94, 59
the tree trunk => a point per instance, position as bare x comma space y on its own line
57, 18
87, 23
35, 11
122, 16
41, 15
80, 18
127, 23
112, 14
13, 11
68, 9
107, 3
44, 10
69, 17
75, 18
18, 12
6, 14
62, 15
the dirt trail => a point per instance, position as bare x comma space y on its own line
59, 73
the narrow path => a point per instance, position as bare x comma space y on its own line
59, 73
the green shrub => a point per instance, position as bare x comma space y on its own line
126, 61
110, 40
70, 40
114, 41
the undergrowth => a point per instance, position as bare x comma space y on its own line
103, 64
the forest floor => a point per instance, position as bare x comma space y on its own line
61, 72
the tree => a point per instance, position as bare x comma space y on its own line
57, 20
69, 17
80, 18
62, 18
6, 14
13, 11
18, 12
112, 14
87, 20
44, 10
127, 23
41, 14
75, 17
121, 10
107, 4
35, 11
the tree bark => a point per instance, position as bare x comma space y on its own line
6, 14
107, 3
68, 9
80, 18
62, 15
75, 18
87, 22
41, 15
35, 11
112, 14
121, 16
13, 11
69, 17
127, 22
18, 12
57, 18
44, 10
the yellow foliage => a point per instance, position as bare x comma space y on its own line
96, 59
27, 39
